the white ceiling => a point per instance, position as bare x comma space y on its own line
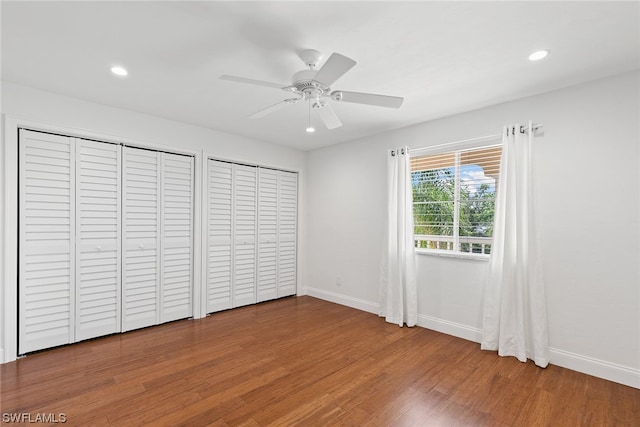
442, 57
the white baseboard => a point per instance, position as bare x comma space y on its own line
576, 362
438, 325
360, 304
450, 328
597, 368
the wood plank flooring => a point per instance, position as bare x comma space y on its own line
302, 361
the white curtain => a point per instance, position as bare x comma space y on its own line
515, 316
398, 292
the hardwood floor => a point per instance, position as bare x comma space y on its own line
302, 361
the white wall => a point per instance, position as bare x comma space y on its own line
50, 108
20, 103
587, 166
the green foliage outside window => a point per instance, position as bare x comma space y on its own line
434, 209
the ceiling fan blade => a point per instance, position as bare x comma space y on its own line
252, 81
333, 69
328, 117
368, 98
272, 108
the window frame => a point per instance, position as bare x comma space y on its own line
456, 148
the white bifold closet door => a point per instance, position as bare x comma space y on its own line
106, 239
176, 229
245, 179
157, 237
141, 238
287, 226
69, 285
220, 234
47, 241
97, 301
267, 234
232, 231
277, 218
251, 252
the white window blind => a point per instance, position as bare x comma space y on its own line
453, 199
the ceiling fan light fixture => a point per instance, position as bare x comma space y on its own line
538, 55
119, 71
310, 128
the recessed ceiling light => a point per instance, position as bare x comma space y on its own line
538, 55
310, 130
119, 71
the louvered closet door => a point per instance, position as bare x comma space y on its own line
287, 223
47, 241
97, 302
176, 232
244, 230
141, 243
267, 234
220, 232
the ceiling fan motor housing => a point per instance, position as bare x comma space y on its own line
304, 79
304, 84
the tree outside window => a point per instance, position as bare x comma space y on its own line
454, 198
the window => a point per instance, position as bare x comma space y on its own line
453, 200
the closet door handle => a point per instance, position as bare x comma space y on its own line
141, 246
98, 248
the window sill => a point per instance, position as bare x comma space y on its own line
446, 254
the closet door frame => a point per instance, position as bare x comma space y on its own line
10, 214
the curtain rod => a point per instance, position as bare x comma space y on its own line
523, 129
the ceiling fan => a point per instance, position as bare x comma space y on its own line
314, 86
